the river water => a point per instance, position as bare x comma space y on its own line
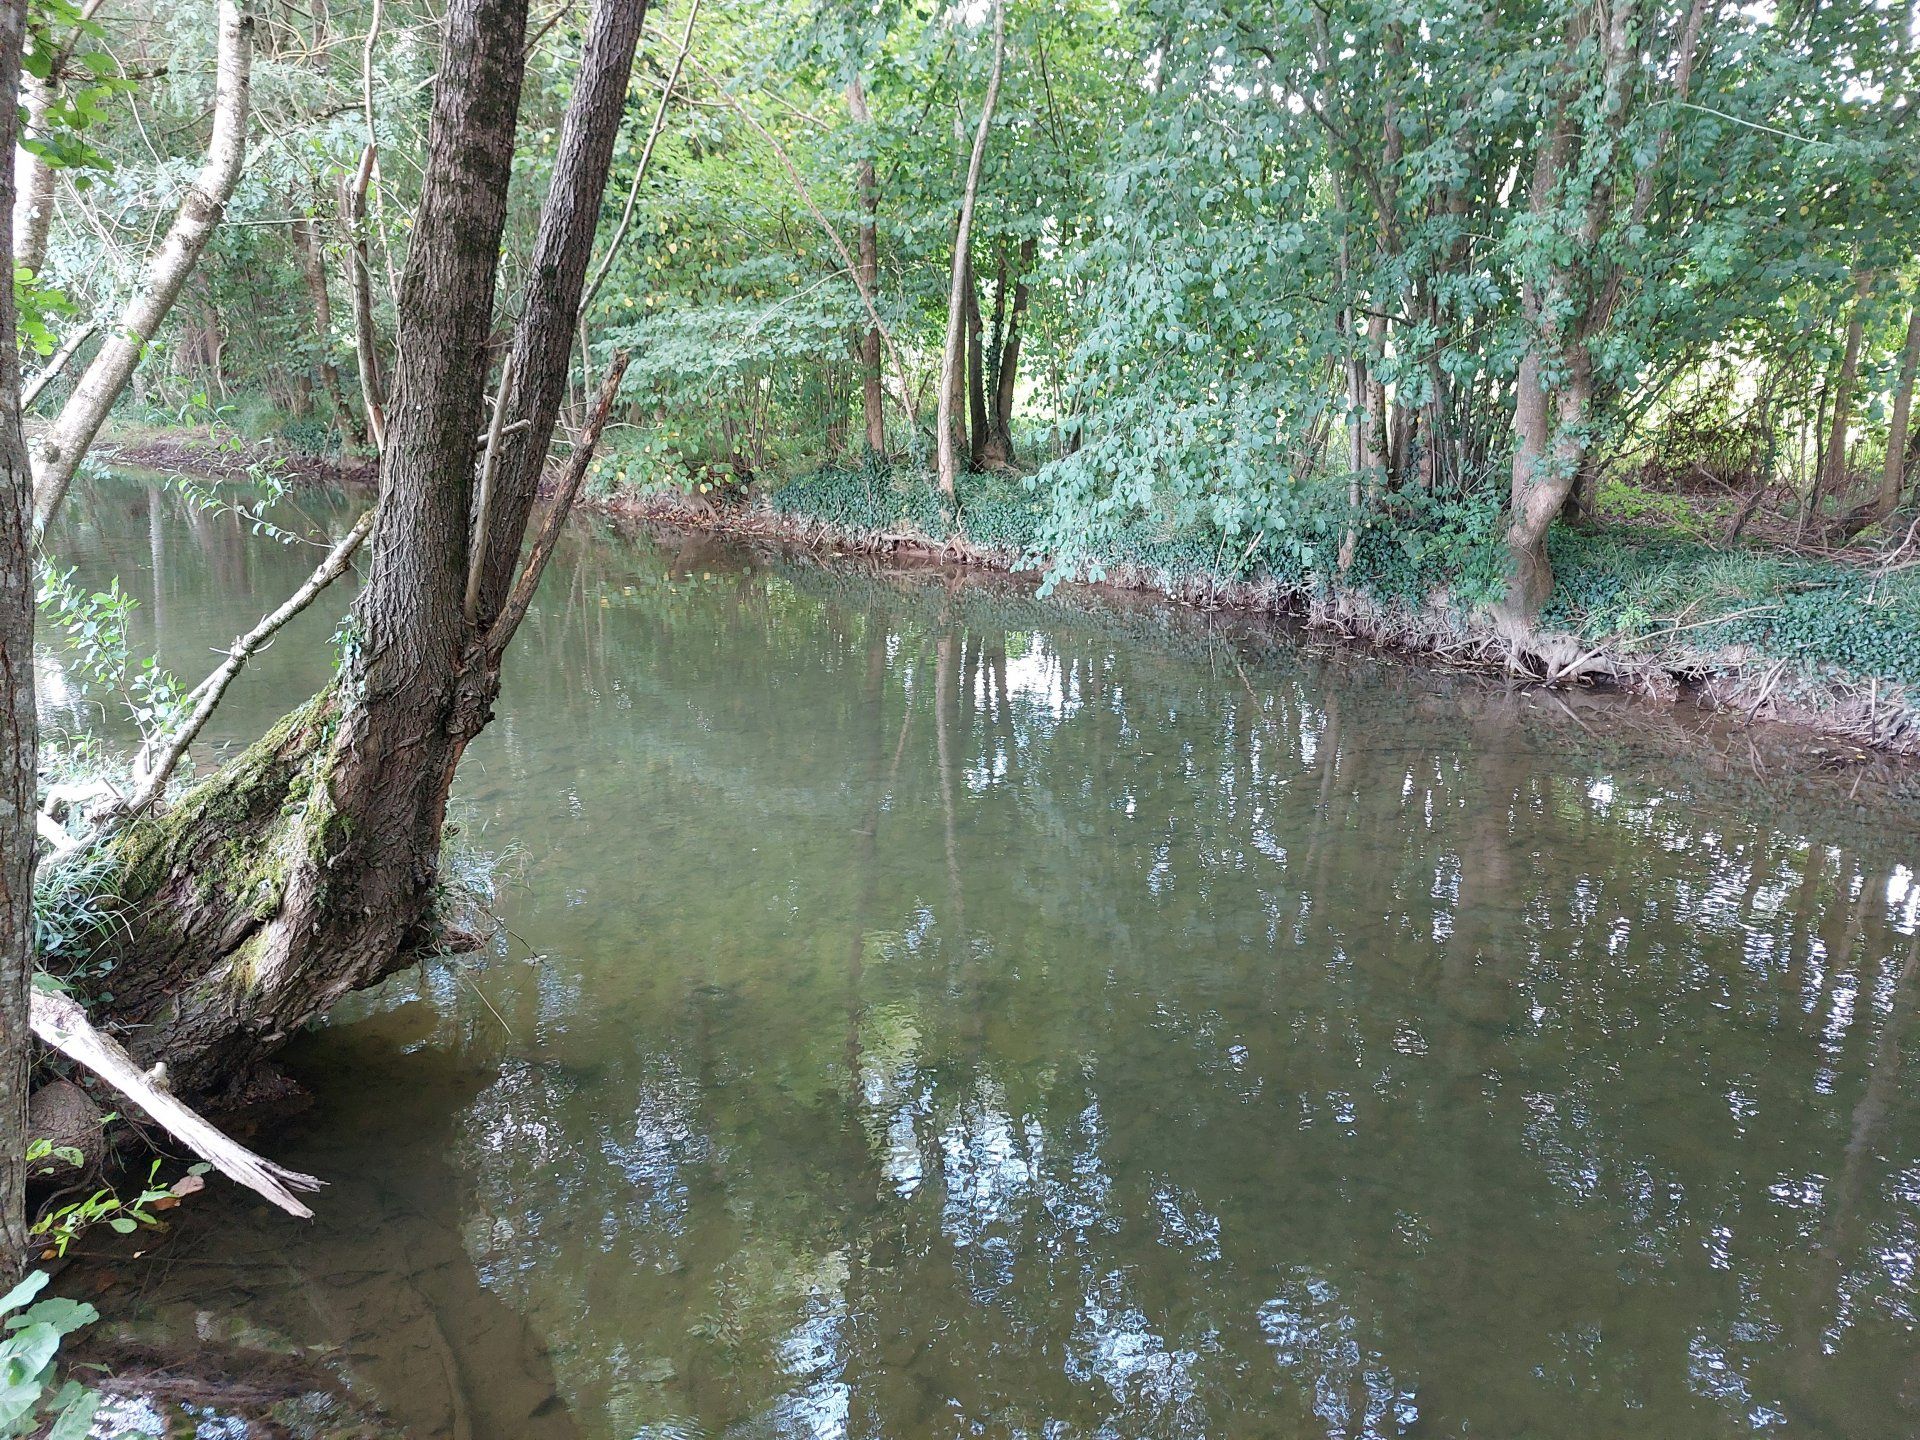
923, 1011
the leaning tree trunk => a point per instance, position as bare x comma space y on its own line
201, 209
308, 867
18, 747
952, 353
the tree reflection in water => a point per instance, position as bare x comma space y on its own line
954, 1015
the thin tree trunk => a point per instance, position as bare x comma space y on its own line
201, 209
1379, 454
18, 741
1006, 368
50, 372
159, 757
866, 188
1346, 326
33, 176
313, 266
366, 341
840, 247
976, 376
1894, 477
1832, 479
952, 358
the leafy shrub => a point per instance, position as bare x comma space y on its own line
312, 435
1609, 585
75, 907
31, 1403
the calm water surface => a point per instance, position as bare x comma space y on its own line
925, 1012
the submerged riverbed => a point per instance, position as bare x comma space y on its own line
922, 1011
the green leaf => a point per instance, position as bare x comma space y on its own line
77, 1419
29, 1287
64, 1315
29, 1351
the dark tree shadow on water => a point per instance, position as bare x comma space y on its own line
379, 1287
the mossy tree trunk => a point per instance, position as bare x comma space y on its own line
309, 867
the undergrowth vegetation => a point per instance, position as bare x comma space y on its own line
1627, 585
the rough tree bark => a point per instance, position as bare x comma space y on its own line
952, 356
562, 251
308, 867
313, 268
201, 209
18, 741
866, 188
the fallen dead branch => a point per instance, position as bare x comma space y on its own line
61, 1023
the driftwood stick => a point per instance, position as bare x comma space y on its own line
156, 770
555, 519
61, 1023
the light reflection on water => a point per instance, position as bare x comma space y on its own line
926, 1012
